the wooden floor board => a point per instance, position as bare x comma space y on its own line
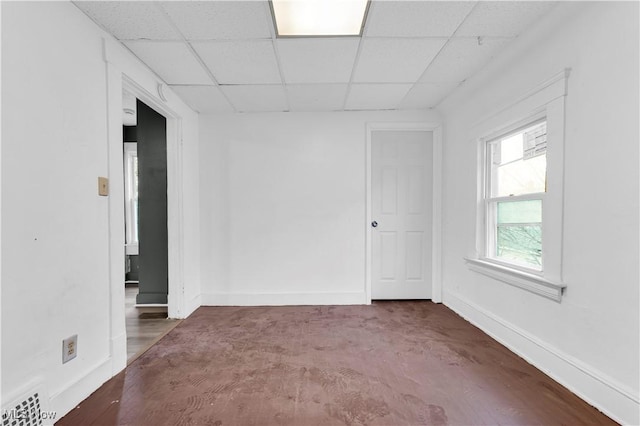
391, 363
142, 333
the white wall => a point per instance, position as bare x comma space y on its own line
59, 124
282, 204
283, 199
589, 341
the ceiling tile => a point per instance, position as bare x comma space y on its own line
426, 95
130, 20
395, 60
503, 18
240, 62
416, 18
461, 58
316, 97
209, 20
323, 60
376, 96
256, 98
171, 60
203, 99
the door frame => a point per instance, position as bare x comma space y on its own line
436, 257
175, 289
122, 74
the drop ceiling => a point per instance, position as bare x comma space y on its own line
224, 56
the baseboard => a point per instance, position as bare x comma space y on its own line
118, 353
282, 299
73, 393
192, 305
159, 299
613, 398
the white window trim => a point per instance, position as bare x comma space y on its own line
490, 224
547, 100
521, 279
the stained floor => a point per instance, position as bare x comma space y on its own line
391, 363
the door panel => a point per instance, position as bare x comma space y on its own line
389, 251
414, 253
401, 184
416, 190
389, 190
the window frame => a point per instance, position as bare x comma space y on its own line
491, 203
544, 102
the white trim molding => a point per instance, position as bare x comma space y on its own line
118, 350
550, 89
608, 395
282, 299
530, 282
126, 72
436, 218
72, 393
193, 304
545, 101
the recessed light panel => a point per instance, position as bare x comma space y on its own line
319, 18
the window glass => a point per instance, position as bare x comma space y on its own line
520, 244
529, 211
519, 232
518, 171
519, 162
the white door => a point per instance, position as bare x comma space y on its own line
401, 186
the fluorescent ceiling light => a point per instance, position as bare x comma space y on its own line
319, 18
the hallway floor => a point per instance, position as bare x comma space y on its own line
390, 363
142, 333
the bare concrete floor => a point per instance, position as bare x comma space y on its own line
391, 363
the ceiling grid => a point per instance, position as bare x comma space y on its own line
437, 55
197, 57
365, 31
224, 56
276, 51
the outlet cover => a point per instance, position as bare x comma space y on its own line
103, 186
69, 348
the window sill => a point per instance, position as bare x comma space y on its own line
516, 278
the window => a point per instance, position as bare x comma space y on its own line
519, 217
131, 197
515, 186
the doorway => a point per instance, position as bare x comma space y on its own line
145, 214
125, 75
403, 211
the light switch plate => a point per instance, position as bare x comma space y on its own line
69, 348
103, 186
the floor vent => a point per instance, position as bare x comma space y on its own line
26, 413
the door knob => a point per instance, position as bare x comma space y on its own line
374, 224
